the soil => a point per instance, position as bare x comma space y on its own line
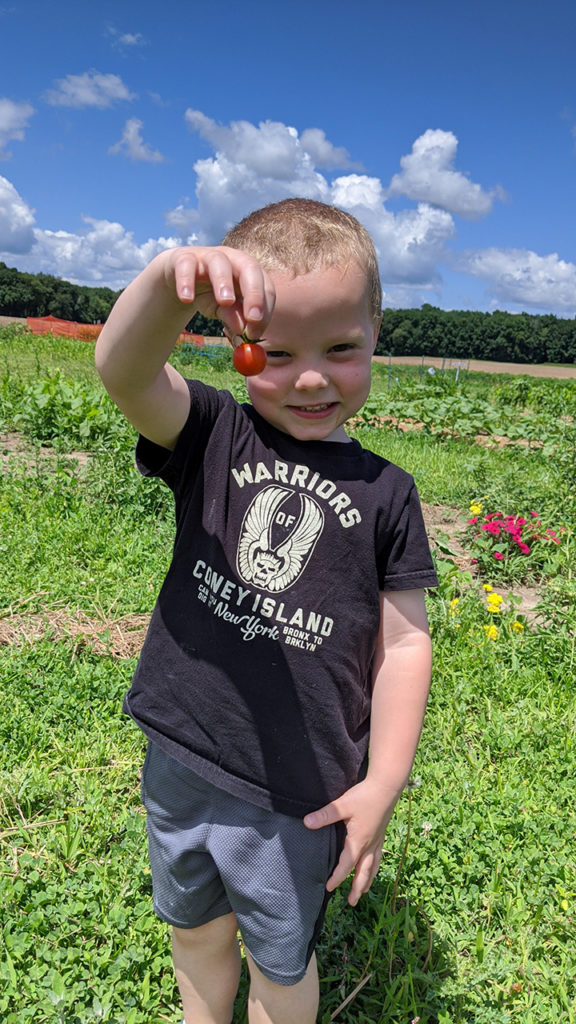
15, 445
483, 366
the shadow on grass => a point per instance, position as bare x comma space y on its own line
379, 963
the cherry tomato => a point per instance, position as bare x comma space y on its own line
249, 359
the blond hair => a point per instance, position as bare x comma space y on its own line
300, 235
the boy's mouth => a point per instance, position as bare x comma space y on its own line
317, 411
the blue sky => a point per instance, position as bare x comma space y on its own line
448, 129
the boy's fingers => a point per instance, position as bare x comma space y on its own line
185, 270
327, 815
258, 298
366, 871
343, 868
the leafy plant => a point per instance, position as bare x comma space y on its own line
515, 546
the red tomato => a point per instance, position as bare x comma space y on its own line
249, 359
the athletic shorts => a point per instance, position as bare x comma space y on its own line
212, 854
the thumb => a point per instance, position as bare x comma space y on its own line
327, 815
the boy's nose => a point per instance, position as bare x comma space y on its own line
311, 379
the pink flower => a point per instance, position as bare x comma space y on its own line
491, 528
498, 555
524, 549
472, 521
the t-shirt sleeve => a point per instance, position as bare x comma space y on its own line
405, 563
185, 460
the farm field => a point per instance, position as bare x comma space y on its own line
472, 919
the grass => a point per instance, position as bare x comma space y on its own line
472, 919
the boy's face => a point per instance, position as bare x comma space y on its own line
319, 347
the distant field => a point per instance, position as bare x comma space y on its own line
475, 365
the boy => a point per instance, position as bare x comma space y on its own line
284, 677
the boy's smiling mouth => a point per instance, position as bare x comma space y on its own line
318, 409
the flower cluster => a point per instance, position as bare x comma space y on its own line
466, 610
498, 537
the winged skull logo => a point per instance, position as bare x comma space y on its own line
277, 568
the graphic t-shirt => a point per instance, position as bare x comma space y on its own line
256, 669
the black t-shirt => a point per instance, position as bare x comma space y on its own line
256, 669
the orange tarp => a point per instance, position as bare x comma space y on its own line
87, 332
68, 328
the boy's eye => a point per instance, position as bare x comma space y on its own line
276, 353
345, 346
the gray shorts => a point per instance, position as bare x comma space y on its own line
212, 854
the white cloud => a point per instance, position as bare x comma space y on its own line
105, 254
133, 145
92, 89
14, 119
127, 39
131, 39
16, 221
323, 153
523, 277
427, 175
409, 244
255, 165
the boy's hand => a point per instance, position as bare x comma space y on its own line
222, 283
366, 810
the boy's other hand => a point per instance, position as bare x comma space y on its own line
366, 810
223, 283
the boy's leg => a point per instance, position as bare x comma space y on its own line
269, 1003
207, 963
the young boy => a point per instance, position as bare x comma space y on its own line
284, 677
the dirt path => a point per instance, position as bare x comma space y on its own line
481, 366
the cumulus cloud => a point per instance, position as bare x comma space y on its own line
133, 145
323, 153
523, 277
258, 164
16, 221
428, 175
105, 253
92, 89
14, 119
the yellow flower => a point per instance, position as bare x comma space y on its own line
518, 627
454, 606
565, 905
486, 587
493, 602
491, 632
475, 508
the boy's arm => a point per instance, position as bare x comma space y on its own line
143, 328
401, 682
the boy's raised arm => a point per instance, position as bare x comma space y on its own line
143, 327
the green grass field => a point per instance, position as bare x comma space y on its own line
472, 919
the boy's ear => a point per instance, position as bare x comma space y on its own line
377, 322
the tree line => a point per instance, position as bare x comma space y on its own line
43, 295
429, 331
464, 334
40, 295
